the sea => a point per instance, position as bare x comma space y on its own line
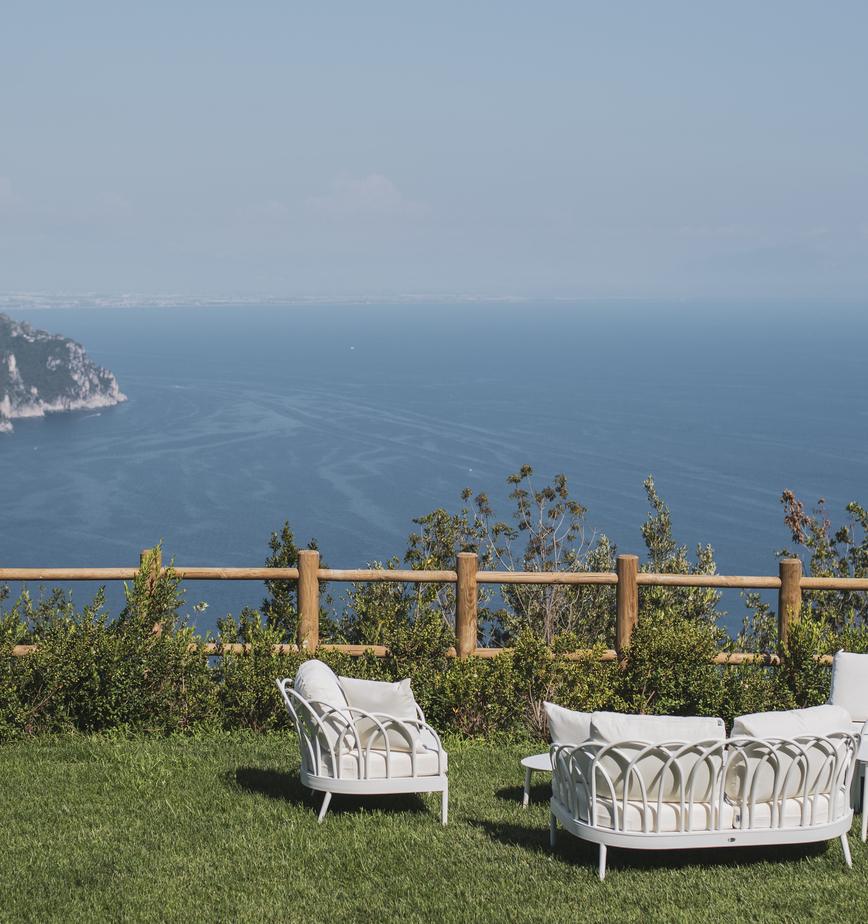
349, 419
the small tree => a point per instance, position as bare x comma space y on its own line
841, 553
665, 556
280, 607
839, 616
435, 548
552, 526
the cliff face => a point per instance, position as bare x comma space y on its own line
42, 372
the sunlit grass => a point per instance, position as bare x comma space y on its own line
219, 829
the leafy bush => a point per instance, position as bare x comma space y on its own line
142, 672
669, 668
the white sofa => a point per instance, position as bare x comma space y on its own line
362, 737
664, 782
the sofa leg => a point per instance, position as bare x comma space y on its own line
445, 805
602, 871
846, 845
324, 807
864, 811
552, 828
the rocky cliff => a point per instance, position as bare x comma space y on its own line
42, 372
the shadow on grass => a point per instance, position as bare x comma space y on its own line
286, 787
275, 784
396, 804
575, 851
541, 792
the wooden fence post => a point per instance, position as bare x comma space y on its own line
466, 599
626, 601
789, 596
308, 599
156, 567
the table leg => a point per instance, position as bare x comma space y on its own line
524, 801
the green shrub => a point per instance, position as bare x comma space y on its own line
476, 697
753, 687
563, 674
669, 669
142, 672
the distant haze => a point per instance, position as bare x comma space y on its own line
665, 149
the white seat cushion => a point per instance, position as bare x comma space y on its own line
700, 817
566, 726
819, 811
850, 684
381, 698
694, 767
356, 765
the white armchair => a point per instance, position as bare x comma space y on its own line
362, 737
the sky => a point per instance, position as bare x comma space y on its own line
558, 150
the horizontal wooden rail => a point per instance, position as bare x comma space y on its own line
127, 574
546, 577
649, 579
643, 579
820, 583
68, 574
388, 575
237, 574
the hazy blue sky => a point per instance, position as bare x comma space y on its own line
563, 149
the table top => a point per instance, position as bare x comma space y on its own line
538, 762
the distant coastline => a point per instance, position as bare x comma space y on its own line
44, 373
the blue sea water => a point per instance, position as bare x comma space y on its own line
350, 420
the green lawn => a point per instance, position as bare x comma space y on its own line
219, 829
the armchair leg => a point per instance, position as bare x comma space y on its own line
552, 828
324, 808
602, 870
846, 845
445, 804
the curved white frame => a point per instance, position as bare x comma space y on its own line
315, 772
716, 755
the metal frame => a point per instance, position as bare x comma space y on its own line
317, 775
584, 766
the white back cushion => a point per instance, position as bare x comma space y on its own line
319, 685
634, 733
566, 726
815, 720
317, 682
382, 698
752, 771
613, 726
850, 684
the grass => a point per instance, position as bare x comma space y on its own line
219, 829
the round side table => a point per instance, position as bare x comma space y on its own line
534, 762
